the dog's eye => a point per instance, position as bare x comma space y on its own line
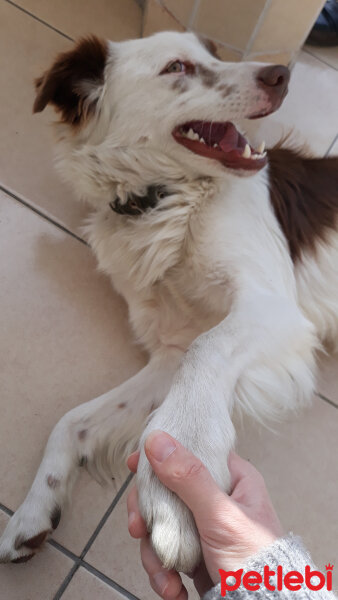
175, 67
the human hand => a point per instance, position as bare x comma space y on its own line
231, 527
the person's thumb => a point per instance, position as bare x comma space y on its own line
183, 473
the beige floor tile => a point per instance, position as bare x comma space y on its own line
64, 339
85, 586
26, 141
299, 464
181, 9
327, 55
328, 378
117, 555
310, 111
39, 579
114, 19
157, 18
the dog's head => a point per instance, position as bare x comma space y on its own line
158, 108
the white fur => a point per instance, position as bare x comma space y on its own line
206, 273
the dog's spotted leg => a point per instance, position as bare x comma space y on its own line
98, 435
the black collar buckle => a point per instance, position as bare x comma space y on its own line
137, 205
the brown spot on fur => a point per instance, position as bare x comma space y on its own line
31, 543
71, 82
55, 517
304, 195
227, 89
180, 85
209, 78
208, 45
82, 434
52, 482
83, 461
122, 405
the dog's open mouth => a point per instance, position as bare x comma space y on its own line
222, 142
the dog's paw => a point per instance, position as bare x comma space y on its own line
27, 530
171, 525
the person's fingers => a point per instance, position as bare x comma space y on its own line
167, 584
246, 482
132, 461
136, 525
183, 473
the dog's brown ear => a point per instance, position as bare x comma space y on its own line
74, 82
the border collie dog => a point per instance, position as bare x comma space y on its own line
226, 254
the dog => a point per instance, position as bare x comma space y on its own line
226, 255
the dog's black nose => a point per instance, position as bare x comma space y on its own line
274, 78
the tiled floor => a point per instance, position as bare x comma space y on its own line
64, 336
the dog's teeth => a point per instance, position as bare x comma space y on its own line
261, 148
196, 137
202, 141
190, 134
215, 145
247, 151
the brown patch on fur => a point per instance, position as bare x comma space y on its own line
52, 482
304, 195
180, 85
55, 517
122, 405
82, 434
36, 541
209, 77
71, 82
208, 45
227, 89
83, 461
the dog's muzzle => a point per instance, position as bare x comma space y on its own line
137, 205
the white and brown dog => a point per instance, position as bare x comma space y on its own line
225, 254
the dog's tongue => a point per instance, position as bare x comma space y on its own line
232, 139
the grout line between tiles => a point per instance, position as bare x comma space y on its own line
106, 516
319, 58
113, 584
63, 550
66, 581
27, 12
6, 510
331, 146
326, 400
42, 214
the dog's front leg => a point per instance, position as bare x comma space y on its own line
98, 434
261, 356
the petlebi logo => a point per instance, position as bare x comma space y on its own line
291, 580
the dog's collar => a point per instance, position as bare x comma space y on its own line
137, 205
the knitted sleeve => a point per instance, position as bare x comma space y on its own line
283, 571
